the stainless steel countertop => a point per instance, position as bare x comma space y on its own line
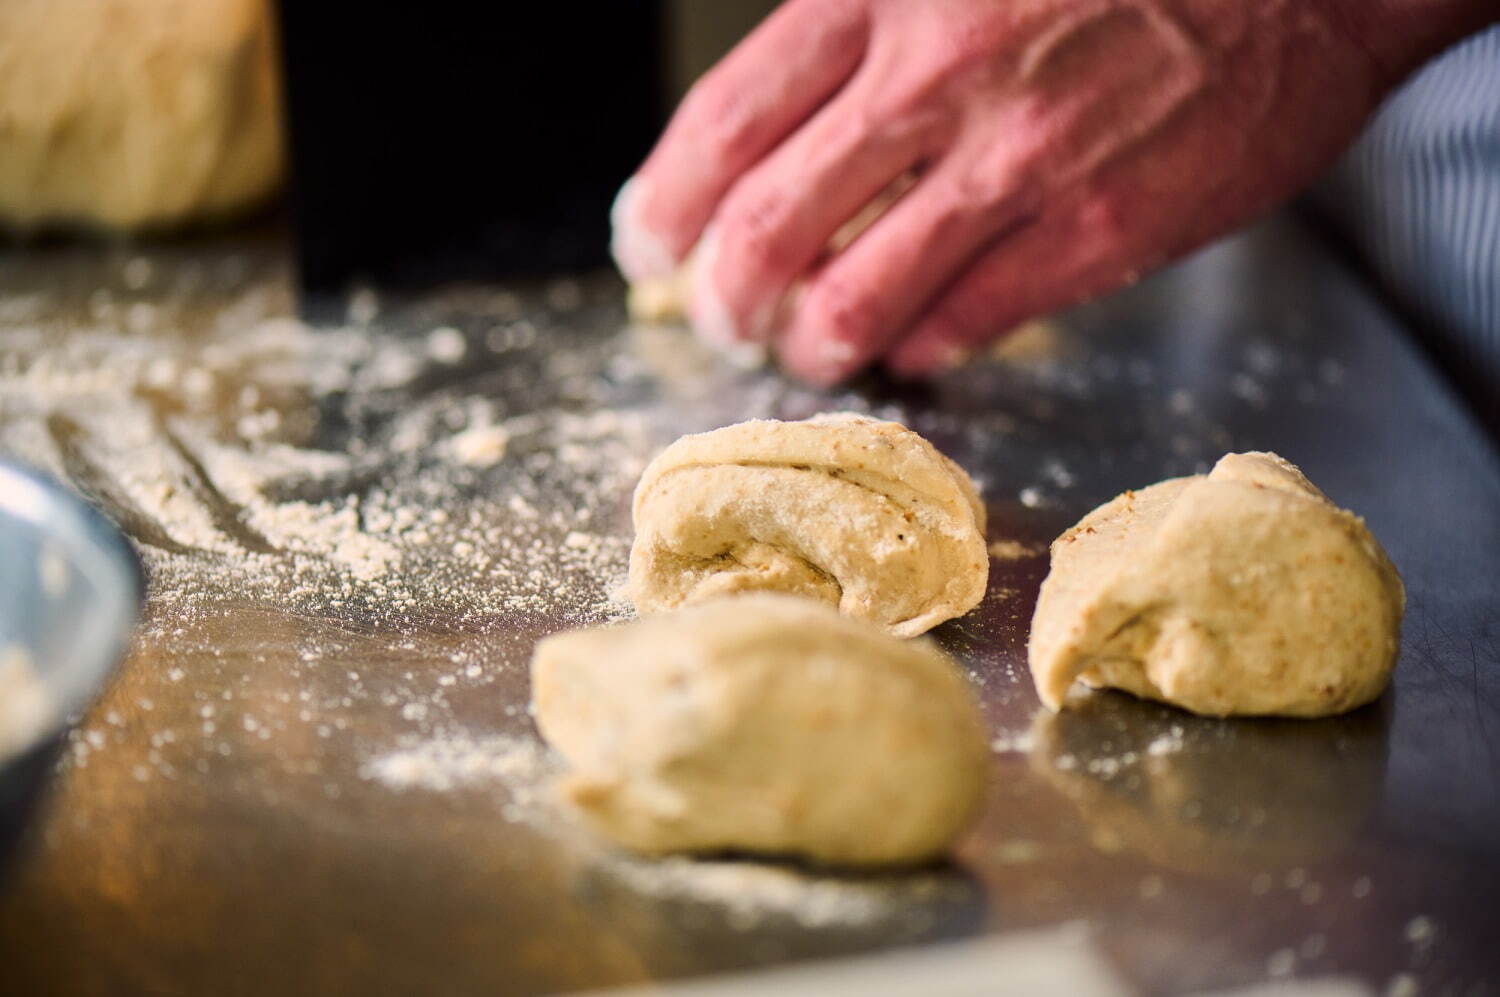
259, 856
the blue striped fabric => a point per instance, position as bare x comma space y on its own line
1419, 194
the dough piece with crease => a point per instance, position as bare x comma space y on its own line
864, 515
767, 724
1241, 592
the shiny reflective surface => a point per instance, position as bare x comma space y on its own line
217, 827
70, 594
72, 587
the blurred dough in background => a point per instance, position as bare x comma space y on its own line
136, 114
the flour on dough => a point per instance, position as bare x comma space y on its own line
860, 514
1241, 592
763, 723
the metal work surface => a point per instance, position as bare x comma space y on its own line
316, 773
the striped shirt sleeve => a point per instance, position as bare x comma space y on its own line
1419, 196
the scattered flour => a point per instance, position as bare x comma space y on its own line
749, 893
1013, 743
1014, 550
752, 893
448, 763
447, 345
1168, 743
480, 446
297, 463
1420, 930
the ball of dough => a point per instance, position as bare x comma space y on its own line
766, 724
136, 113
1241, 592
861, 514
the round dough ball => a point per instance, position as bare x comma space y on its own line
861, 514
136, 113
766, 724
1241, 592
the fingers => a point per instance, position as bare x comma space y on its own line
867, 294
756, 96
1068, 256
780, 217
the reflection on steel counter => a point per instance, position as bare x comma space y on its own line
316, 769
1208, 796
70, 594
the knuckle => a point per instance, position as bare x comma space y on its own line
846, 311
905, 117
983, 196
755, 229
855, 129
909, 93
898, 98
961, 36
725, 121
970, 43
989, 180
1106, 222
930, 94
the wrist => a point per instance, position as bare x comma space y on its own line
1401, 35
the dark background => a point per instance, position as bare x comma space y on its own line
449, 140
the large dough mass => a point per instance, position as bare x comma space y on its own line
1245, 591
136, 113
861, 514
765, 724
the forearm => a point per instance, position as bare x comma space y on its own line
1401, 35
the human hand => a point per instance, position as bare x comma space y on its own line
1062, 148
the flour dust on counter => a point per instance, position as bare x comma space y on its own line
218, 455
752, 895
357, 530
746, 894
447, 763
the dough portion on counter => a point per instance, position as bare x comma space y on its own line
126, 114
861, 514
766, 724
1241, 592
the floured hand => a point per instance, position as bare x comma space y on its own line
1062, 148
